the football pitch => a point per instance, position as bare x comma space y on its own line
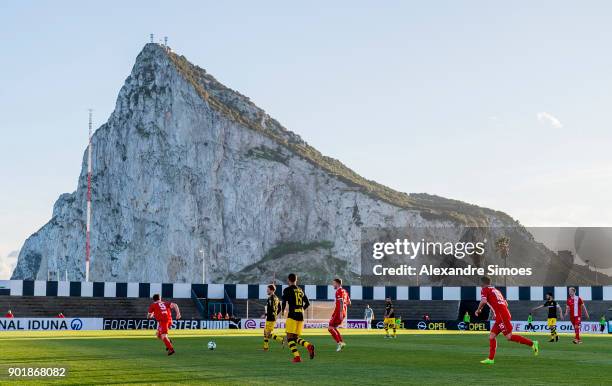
128, 357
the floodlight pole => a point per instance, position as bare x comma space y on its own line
88, 229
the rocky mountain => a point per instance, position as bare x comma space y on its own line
194, 182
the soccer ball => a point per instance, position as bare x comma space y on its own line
212, 345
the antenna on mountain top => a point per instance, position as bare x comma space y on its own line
88, 229
152, 38
165, 40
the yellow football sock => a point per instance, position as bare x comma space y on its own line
302, 342
292, 347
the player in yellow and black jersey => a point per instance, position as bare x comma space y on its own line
273, 309
552, 306
296, 299
389, 320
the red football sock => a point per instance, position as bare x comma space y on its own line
339, 336
167, 343
577, 332
492, 348
334, 333
521, 340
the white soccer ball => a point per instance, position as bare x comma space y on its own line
212, 345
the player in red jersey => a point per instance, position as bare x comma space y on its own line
342, 302
574, 308
503, 320
162, 312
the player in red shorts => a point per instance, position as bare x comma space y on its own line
162, 312
503, 320
342, 302
574, 308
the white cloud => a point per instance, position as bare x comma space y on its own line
7, 264
550, 119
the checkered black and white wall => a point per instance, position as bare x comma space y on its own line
258, 291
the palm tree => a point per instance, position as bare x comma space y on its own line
502, 246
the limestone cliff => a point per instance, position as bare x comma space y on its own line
191, 174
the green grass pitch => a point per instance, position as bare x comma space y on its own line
111, 357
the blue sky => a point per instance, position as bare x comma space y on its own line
504, 105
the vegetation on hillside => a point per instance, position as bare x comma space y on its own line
264, 152
320, 267
289, 247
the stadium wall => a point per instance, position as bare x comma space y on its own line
258, 291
